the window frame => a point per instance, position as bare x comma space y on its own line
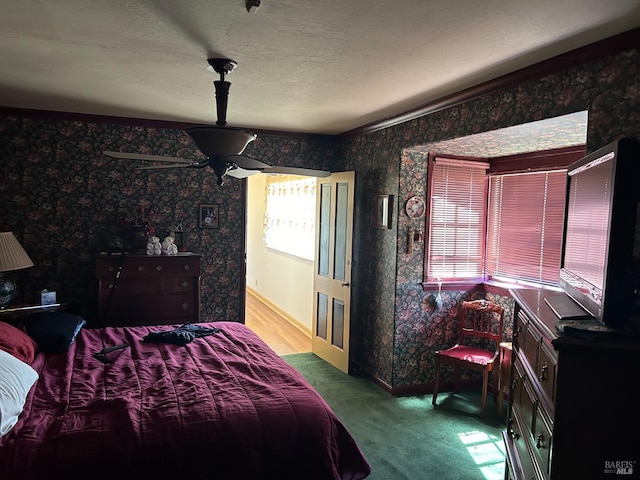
503, 261
461, 161
553, 159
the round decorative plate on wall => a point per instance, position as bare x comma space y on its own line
415, 207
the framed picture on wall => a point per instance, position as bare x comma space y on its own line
382, 213
209, 215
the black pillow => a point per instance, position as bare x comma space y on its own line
54, 332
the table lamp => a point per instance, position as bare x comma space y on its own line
12, 257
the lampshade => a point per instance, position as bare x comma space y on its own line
215, 141
12, 255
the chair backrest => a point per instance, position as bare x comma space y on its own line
481, 319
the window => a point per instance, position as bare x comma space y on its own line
456, 220
503, 227
524, 226
289, 224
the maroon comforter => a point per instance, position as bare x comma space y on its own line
223, 407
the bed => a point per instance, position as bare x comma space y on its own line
223, 406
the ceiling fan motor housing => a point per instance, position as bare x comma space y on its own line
218, 141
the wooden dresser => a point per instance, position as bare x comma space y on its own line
148, 289
573, 411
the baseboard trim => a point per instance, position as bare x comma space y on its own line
292, 320
420, 388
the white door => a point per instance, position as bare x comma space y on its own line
332, 278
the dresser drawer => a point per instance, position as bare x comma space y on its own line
144, 267
521, 467
542, 437
528, 404
532, 344
127, 310
179, 285
547, 369
517, 383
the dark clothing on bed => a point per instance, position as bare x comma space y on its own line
180, 335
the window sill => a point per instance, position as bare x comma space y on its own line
452, 285
492, 286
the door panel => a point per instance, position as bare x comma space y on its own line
332, 280
322, 316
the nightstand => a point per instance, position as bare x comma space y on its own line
9, 315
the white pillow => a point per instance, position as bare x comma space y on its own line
16, 379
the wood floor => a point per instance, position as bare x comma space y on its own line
277, 332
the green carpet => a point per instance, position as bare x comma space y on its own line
405, 437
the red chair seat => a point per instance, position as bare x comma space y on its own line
469, 354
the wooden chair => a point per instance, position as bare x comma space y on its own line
483, 320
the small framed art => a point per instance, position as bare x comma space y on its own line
382, 213
209, 215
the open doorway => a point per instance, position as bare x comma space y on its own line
279, 286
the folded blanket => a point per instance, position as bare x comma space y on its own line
180, 335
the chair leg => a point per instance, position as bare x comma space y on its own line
435, 387
485, 386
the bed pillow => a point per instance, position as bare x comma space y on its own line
16, 379
17, 343
54, 332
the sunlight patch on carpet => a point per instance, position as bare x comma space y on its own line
487, 452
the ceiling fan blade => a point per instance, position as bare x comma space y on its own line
143, 156
241, 172
242, 161
307, 172
158, 167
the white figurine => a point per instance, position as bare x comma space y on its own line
169, 247
154, 247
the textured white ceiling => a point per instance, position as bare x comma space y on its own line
310, 66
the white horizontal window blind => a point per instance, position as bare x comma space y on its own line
289, 223
524, 226
456, 220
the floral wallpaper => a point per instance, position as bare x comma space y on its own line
61, 196
64, 200
396, 330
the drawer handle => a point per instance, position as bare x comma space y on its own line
140, 268
516, 334
186, 267
543, 372
514, 384
540, 441
159, 267
184, 284
185, 306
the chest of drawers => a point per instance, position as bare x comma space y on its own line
148, 289
572, 400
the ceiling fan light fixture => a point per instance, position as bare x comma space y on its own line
216, 141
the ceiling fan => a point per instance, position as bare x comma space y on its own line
221, 145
